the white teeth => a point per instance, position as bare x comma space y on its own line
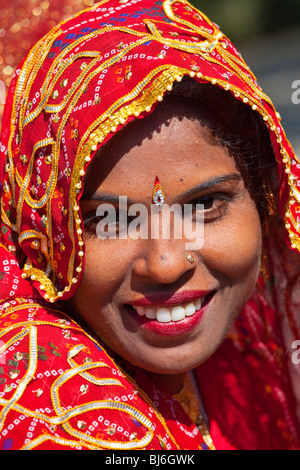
190, 309
177, 313
150, 313
165, 315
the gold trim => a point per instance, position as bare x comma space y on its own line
64, 416
85, 375
57, 440
32, 331
140, 99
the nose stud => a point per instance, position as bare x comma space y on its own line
190, 258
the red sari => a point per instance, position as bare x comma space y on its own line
60, 388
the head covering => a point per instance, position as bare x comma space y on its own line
80, 84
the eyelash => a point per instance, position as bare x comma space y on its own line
90, 222
220, 210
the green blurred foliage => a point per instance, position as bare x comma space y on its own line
242, 20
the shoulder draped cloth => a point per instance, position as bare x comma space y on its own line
59, 388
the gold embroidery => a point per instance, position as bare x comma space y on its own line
190, 403
32, 331
63, 416
141, 98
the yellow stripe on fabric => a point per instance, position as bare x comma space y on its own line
32, 331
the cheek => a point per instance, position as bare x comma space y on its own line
233, 247
104, 272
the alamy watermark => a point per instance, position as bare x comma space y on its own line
164, 222
296, 353
296, 93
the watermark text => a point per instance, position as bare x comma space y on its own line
296, 93
161, 222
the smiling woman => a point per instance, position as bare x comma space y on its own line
170, 142
132, 130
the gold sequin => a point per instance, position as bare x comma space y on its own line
87, 360
35, 244
84, 388
81, 424
74, 134
64, 83
24, 159
162, 442
13, 374
111, 430
18, 356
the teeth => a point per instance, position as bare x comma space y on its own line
190, 309
150, 313
177, 313
165, 315
140, 310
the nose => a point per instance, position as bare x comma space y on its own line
164, 261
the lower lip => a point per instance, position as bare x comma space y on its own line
178, 328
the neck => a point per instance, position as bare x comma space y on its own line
172, 382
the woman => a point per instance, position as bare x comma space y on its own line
139, 340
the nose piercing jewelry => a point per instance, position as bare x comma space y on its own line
190, 258
158, 197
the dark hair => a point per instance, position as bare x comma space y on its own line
234, 125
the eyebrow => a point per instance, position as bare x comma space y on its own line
105, 197
205, 185
210, 183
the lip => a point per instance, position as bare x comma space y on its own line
179, 328
168, 300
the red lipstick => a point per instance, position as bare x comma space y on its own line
170, 299
171, 328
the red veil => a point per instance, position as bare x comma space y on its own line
59, 388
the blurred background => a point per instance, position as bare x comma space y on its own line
266, 32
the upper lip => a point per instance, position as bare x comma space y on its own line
170, 299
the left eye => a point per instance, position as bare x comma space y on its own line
208, 202
212, 206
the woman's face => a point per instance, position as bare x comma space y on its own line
132, 287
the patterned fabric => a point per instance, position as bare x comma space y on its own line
61, 390
79, 85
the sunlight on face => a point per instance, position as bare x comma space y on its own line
130, 284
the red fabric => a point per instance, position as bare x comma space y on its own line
62, 407
83, 82
79, 85
249, 397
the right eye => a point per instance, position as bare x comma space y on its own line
110, 223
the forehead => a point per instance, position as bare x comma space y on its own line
171, 143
